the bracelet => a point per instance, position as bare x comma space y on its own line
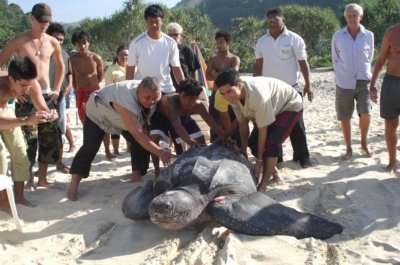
260, 160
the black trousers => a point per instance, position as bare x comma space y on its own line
92, 139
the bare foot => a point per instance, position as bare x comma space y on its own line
72, 193
50, 185
72, 149
276, 180
30, 186
61, 167
366, 152
110, 156
391, 168
117, 153
135, 176
45, 184
348, 155
25, 202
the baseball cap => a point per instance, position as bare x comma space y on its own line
41, 12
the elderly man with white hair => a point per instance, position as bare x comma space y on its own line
352, 54
188, 59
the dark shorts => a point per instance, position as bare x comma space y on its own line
390, 97
162, 126
45, 136
344, 101
277, 133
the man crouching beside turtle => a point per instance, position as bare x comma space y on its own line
121, 108
273, 106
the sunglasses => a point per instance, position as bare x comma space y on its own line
174, 34
273, 20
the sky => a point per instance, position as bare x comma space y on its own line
76, 10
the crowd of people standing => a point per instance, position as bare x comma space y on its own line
151, 93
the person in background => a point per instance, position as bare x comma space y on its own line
172, 117
116, 73
224, 59
189, 62
390, 91
352, 54
152, 53
88, 72
57, 31
281, 54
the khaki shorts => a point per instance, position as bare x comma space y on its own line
13, 141
344, 102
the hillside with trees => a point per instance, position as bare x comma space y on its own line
222, 12
12, 21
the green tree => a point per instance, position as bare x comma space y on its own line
197, 27
315, 25
246, 32
13, 21
378, 15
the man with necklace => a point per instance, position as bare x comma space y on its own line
39, 47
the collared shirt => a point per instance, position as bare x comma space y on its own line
281, 55
352, 58
153, 58
265, 98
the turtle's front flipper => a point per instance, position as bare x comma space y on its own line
136, 203
257, 214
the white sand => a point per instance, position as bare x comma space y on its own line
356, 193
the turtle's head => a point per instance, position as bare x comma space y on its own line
175, 209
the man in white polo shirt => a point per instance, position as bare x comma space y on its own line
281, 54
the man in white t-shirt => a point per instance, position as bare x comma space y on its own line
152, 53
281, 54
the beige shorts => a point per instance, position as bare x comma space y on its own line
12, 140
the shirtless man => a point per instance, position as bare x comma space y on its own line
390, 91
19, 81
88, 71
173, 117
223, 60
40, 47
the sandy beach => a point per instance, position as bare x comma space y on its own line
357, 193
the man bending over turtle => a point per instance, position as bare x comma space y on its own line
173, 117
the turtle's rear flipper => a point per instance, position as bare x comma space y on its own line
257, 214
136, 203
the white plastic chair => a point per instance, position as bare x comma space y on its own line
6, 184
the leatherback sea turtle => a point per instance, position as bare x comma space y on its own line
217, 182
